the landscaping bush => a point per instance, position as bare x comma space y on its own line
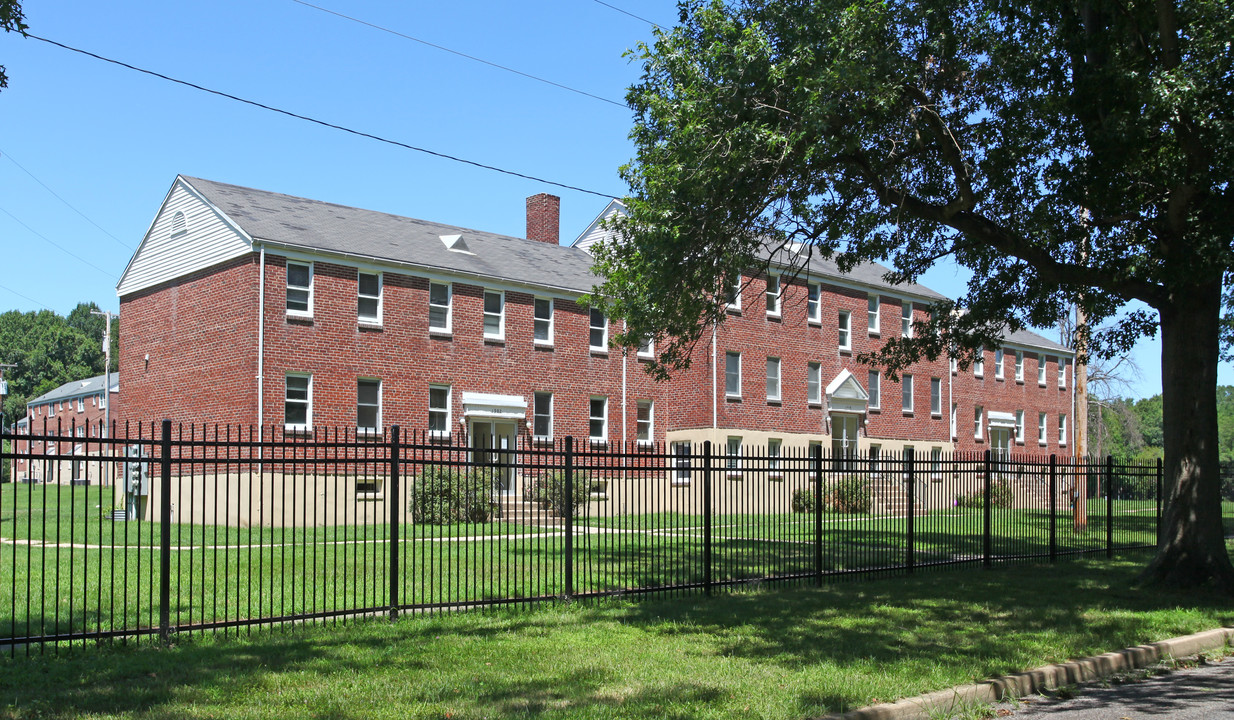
1000, 496
549, 490
1135, 488
441, 495
803, 500
849, 494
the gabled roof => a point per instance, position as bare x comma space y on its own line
77, 388
1030, 339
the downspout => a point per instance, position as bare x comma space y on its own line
261, 338
714, 389
625, 359
953, 422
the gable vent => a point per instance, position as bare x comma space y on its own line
455, 243
179, 225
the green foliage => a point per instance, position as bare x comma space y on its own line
442, 495
11, 20
803, 500
1000, 496
549, 490
50, 350
6, 470
849, 494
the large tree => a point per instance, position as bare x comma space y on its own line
1067, 152
11, 20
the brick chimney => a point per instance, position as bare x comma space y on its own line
544, 218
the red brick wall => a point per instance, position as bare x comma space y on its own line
1009, 395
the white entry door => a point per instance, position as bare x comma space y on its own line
843, 440
492, 444
1000, 447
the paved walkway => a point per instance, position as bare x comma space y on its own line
1204, 692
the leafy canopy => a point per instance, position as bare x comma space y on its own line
1067, 153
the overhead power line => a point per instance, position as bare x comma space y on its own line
57, 245
460, 54
66, 202
25, 297
323, 123
623, 12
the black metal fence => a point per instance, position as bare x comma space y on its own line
142, 532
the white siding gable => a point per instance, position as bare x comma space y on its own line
594, 232
163, 255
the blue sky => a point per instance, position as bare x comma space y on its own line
109, 141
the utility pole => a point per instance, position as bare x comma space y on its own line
106, 314
1080, 518
4, 391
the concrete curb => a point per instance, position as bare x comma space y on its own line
1043, 678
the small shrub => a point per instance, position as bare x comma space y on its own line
849, 494
1000, 496
803, 500
549, 490
441, 495
1135, 488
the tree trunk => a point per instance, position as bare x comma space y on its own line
1192, 551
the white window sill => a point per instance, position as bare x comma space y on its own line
597, 442
845, 349
734, 474
542, 440
297, 429
814, 403
495, 339
681, 482
815, 323
643, 356
602, 352
368, 434
369, 497
645, 443
731, 397
369, 324
438, 332
875, 333
775, 475
773, 401
773, 315
732, 310
439, 436
546, 344
302, 316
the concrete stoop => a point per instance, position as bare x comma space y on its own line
1043, 678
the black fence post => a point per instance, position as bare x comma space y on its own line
707, 579
1160, 488
817, 455
1053, 507
987, 520
1109, 506
394, 503
910, 556
165, 533
568, 506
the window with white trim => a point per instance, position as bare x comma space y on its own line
440, 302
644, 417
597, 425
732, 374
955, 416
598, 338
773, 379
846, 330
814, 383
368, 405
368, 298
998, 364
1041, 423
1041, 370
773, 295
872, 315
906, 319
906, 392
298, 402
732, 453
439, 411
874, 390
978, 417
733, 299
542, 416
681, 463
1062, 373
1019, 426
774, 467
81, 404
1019, 366
979, 363
814, 306
936, 462
543, 331
299, 288
494, 315
1062, 429
646, 347
936, 397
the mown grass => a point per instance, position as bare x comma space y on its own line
767, 654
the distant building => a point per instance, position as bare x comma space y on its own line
73, 414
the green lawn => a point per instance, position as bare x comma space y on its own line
785, 654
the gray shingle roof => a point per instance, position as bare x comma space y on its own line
1029, 338
71, 390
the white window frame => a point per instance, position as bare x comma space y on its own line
1042, 420
448, 308
978, 422
539, 323
306, 289
447, 412
1062, 373
1062, 429
814, 303
680, 452
936, 462
592, 328
814, 383
376, 427
906, 319
874, 315
1019, 366
1019, 427
732, 456
732, 368
81, 404
773, 379
602, 418
773, 296
307, 401
734, 298
775, 468
998, 364
648, 437
360, 296
1041, 370
906, 392
845, 331
500, 315
647, 348
875, 390
936, 397
536, 415
955, 418
979, 363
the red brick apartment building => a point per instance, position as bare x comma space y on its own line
249, 307
75, 412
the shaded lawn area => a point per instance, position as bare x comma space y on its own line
790, 653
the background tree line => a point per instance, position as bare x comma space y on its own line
50, 350
1133, 429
